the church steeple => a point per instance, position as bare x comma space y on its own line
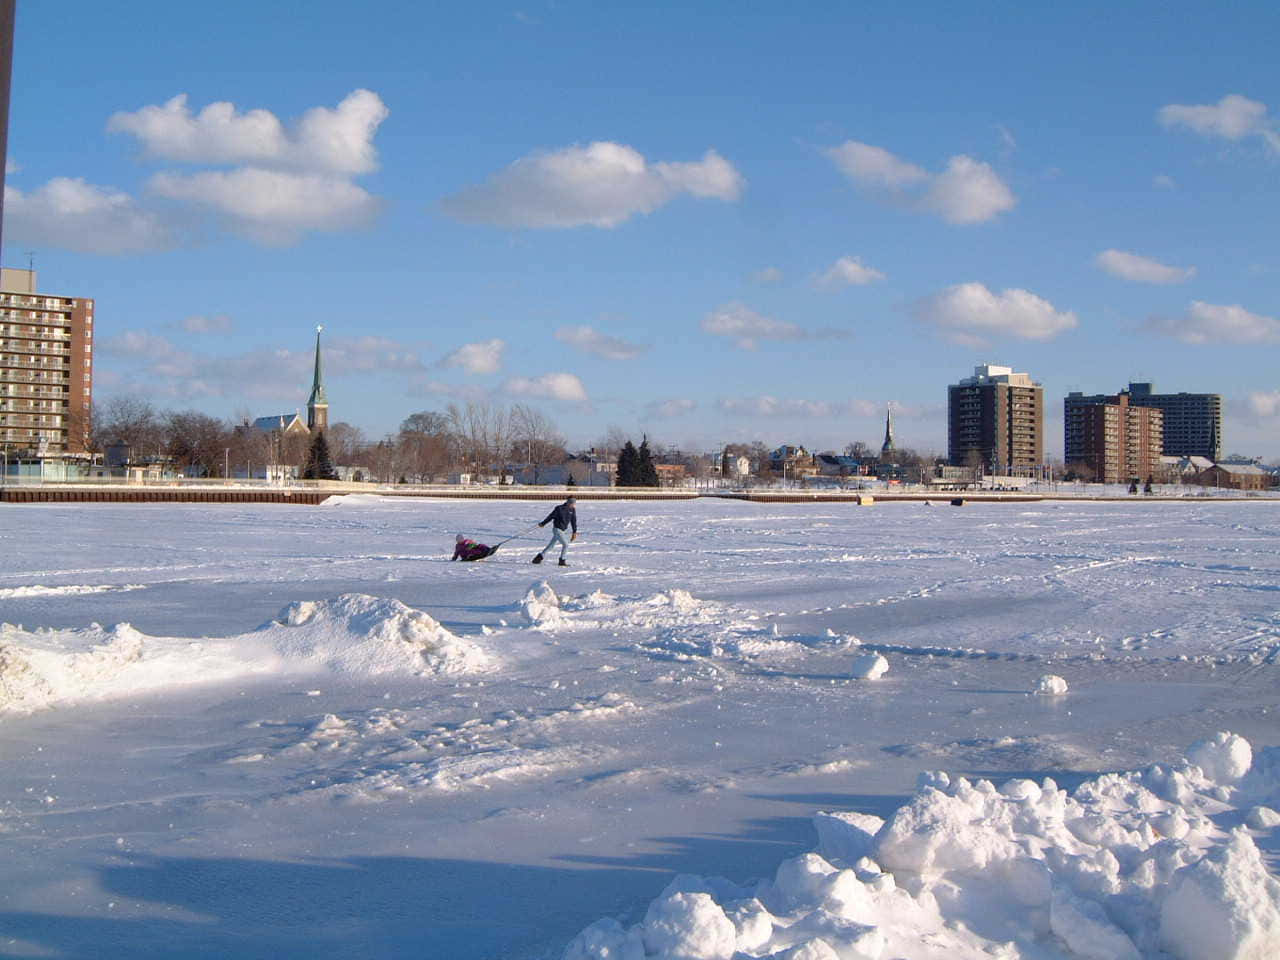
887, 447
318, 404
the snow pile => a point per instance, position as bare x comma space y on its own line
541, 606
869, 666
1225, 757
353, 633
357, 633
1050, 685
1131, 865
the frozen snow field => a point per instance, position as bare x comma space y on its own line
726, 730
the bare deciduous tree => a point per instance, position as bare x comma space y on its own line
534, 439
199, 441
483, 432
426, 445
130, 420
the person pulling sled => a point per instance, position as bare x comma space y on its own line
561, 519
464, 549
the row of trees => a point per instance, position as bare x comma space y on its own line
473, 437
467, 438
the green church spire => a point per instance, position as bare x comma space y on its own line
318, 405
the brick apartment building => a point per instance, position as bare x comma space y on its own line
46, 368
996, 417
1112, 437
1192, 421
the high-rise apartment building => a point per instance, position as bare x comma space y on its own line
995, 419
1112, 437
46, 368
1192, 422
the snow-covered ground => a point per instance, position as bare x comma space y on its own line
726, 730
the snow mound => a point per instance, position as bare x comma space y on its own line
541, 606
1227, 906
869, 666
357, 633
1224, 757
1050, 685
38, 590
352, 634
1130, 865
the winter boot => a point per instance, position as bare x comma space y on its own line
562, 563
538, 558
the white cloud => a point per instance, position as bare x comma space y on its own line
674, 407
1208, 323
875, 166
745, 327
564, 387
11, 166
1265, 405
968, 312
601, 185
482, 357
968, 191
143, 345
368, 354
1232, 118
70, 214
589, 340
213, 324
765, 405
848, 272
1131, 266
337, 141
264, 374
1163, 181
270, 206
768, 277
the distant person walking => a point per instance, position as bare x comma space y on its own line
563, 517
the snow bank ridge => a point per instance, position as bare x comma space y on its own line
1130, 865
353, 633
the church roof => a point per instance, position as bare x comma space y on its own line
283, 422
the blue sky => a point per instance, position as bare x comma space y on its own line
711, 222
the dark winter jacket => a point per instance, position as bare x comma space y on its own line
563, 516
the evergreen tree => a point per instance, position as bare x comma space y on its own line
646, 472
319, 466
628, 462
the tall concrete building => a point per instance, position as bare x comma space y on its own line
995, 420
46, 368
1192, 422
1112, 437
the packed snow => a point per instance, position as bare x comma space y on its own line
236, 731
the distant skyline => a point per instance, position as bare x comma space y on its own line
711, 223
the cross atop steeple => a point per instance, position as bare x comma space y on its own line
318, 404
887, 447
